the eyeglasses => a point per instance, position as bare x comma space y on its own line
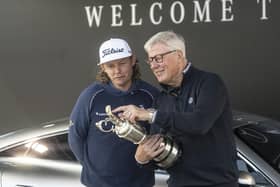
158, 58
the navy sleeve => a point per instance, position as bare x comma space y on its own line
211, 98
153, 90
153, 129
79, 125
155, 93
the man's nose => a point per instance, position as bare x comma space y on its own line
154, 65
117, 69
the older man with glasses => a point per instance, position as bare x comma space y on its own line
193, 109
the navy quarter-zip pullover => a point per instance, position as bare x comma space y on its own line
198, 116
107, 160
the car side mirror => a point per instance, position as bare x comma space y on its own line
246, 179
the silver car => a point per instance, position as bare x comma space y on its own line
40, 156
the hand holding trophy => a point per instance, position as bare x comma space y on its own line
137, 134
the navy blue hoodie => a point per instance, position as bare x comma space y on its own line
107, 160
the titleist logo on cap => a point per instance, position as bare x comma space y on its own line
113, 49
109, 51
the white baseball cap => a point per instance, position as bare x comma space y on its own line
113, 49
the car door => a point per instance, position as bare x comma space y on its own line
32, 173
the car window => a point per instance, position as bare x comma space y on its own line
52, 148
264, 139
244, 165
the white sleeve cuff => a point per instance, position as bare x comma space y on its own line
152, 113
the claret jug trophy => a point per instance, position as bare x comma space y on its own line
137, 134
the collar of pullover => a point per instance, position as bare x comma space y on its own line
113, 90
175, 91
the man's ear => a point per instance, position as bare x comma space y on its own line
180, 54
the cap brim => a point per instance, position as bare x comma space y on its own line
106, 61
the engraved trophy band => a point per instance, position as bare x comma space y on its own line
137, 134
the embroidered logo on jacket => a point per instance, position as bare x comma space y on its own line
190, 101
100, 114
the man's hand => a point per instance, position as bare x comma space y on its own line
132, 113
149, 149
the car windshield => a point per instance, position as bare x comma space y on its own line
52, 148
264, 138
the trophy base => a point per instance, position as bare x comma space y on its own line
170, 154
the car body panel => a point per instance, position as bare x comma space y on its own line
32, 172
29, 172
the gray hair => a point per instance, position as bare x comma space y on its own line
168, 38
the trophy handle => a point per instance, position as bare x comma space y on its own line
114, 119
105, 121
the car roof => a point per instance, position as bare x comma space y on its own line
241, 119
17, 137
